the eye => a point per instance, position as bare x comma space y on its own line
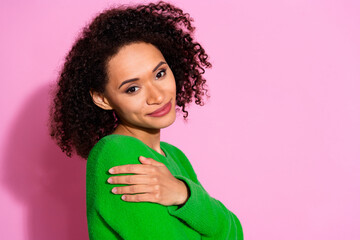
131, 89
161, 73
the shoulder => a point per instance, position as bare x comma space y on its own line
117, 139
172, 149
117, 149
177, 154
117, 143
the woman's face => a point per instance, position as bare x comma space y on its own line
141, 82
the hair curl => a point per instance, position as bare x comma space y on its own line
75, 121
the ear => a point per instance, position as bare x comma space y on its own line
100, 100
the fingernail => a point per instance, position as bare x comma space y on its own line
123, 197
110, 180
111, 170
114, 190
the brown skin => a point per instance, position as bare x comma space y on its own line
132, 102
156, 183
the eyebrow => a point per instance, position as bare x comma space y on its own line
135, 79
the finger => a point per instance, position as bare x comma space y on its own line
130, 168
144, 197
135, 189
133, 179
150, 161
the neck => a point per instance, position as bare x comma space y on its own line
150, 137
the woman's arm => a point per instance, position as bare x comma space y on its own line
201, 211
109, 217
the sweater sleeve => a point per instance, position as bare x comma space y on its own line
123, 220
204, 213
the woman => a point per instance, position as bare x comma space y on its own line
120, 84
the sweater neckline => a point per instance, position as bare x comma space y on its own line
157, 153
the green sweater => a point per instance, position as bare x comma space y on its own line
109, 217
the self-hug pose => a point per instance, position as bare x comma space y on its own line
125, 77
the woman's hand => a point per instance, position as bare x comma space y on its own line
153, 182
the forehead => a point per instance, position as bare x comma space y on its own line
134, 60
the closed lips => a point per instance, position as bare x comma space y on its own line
161, 109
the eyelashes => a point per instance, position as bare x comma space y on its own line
160, 74
129, 90
161, 71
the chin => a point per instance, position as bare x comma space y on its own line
170, 123
163, 122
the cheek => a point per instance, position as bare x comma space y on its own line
132, 106
128, 107
172, 85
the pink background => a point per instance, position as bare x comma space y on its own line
278, 141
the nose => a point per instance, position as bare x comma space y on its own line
154, 95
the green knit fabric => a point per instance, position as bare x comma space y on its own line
109, 217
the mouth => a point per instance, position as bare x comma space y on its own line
161, 111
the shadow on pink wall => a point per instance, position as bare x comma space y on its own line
50, 185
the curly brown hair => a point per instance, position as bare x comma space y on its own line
75, 121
